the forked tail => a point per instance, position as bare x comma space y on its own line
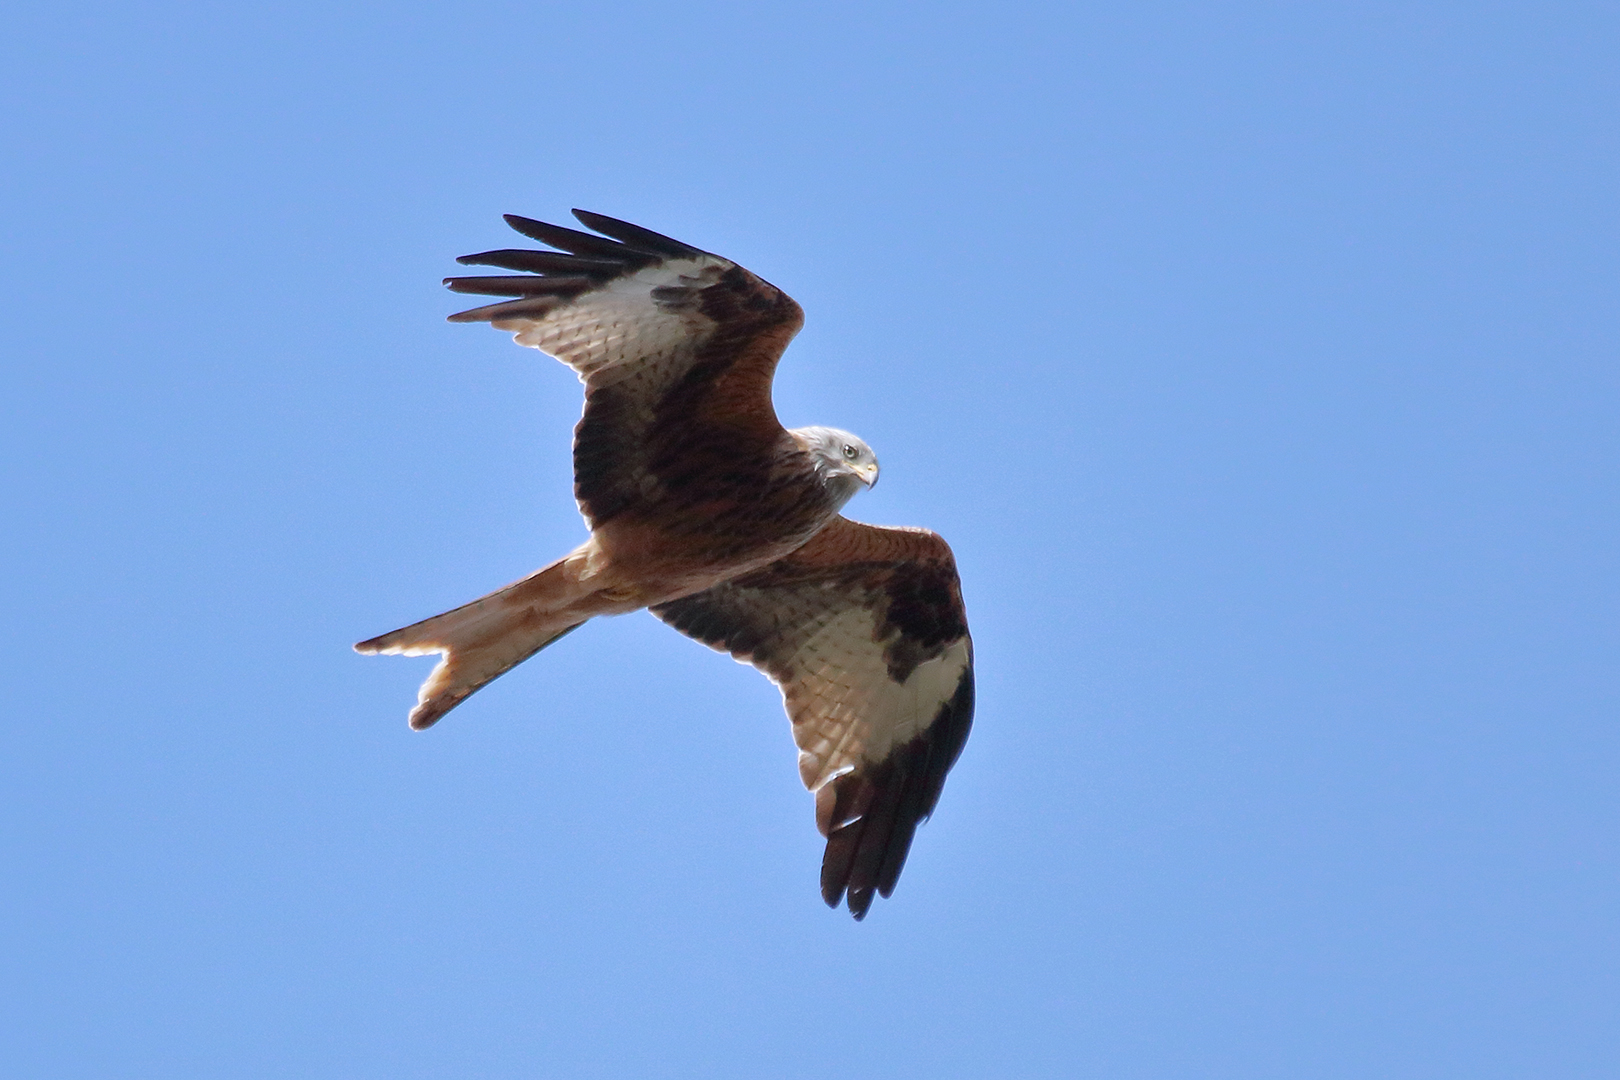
485, 638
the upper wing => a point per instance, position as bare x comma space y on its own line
864, 631
676, 348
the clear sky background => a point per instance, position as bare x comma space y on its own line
1258, 359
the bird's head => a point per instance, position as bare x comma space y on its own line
844, 461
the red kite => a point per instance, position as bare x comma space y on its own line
705, 510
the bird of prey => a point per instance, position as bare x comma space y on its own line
705, 510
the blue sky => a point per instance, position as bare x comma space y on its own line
1258, 360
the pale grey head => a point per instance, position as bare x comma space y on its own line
844, 462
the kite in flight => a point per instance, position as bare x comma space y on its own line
704, 509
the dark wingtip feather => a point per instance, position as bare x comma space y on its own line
874, 814
905, 830
519, 285
636, 236
579, 243
531, 307
546, 262
877, 839
835, 860
527, 226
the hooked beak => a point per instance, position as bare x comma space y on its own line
868, 475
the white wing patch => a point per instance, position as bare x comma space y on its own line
611, 331
846, 708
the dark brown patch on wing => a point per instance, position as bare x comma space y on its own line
925, 613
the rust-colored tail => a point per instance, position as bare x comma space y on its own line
487, 637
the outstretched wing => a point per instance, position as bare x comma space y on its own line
864, 631
676, 347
